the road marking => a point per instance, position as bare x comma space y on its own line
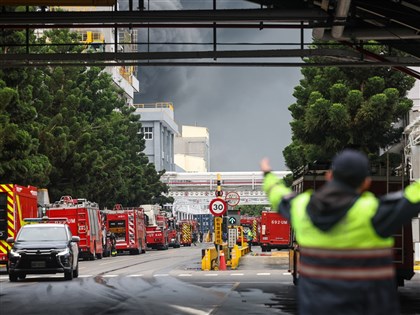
286, 273
184, 275
113, 262
161, 275
236, 274
210, 274
134, 276
109, 276
4, 277
85, 276
263, 274
189, 310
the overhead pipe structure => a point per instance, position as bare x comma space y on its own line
380, 34
32, 20
330, 19
341, 13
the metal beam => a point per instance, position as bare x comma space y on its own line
198, 25
62, 2
338, 57
75, 19
342, 64
177, 55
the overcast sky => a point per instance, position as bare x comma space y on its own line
245, 109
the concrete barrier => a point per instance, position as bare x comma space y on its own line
209, 257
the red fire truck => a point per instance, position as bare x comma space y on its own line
16, 203
187, 228
252, 223
84, 220
156, 227
276, 232
129, 228
173, 234
403, 247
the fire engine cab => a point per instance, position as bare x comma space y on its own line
156, 226
16, 203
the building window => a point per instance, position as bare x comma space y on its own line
147, 132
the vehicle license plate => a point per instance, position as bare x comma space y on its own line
38, 264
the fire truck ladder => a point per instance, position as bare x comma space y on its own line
81, 228
131, 229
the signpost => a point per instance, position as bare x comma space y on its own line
232, 237
233, 217
218, 207
218, 230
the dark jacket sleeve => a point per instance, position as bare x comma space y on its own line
285, 205
394, 210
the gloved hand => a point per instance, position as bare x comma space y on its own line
412, 192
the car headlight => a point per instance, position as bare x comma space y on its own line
14, 253
64, 252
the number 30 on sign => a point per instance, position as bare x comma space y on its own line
218, 207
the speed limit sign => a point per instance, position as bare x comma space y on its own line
218, 207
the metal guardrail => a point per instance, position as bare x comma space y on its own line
168, 105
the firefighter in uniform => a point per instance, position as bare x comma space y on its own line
249, 238
113, 240
344, 236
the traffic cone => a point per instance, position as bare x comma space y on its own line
222, 263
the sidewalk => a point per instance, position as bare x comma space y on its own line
259, 260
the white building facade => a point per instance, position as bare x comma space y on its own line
192, 149
158, 129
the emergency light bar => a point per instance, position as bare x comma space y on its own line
45, 219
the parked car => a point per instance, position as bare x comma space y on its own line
43, 248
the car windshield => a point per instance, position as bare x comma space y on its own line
42, 234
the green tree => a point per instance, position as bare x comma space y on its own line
20, 160
251, 210
69, 129
341, 107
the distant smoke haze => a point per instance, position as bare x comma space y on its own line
244, 108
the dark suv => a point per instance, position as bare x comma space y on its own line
44, 248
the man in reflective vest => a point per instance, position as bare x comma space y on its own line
249, 238
344, 236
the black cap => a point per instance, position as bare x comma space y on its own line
350, 167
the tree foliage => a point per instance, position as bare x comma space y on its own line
346, 107
251, 210
69, 129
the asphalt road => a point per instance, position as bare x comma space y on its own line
167, 282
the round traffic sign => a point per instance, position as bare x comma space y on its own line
218, 193
232, 198
218, 207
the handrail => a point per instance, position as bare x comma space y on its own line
168, 105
